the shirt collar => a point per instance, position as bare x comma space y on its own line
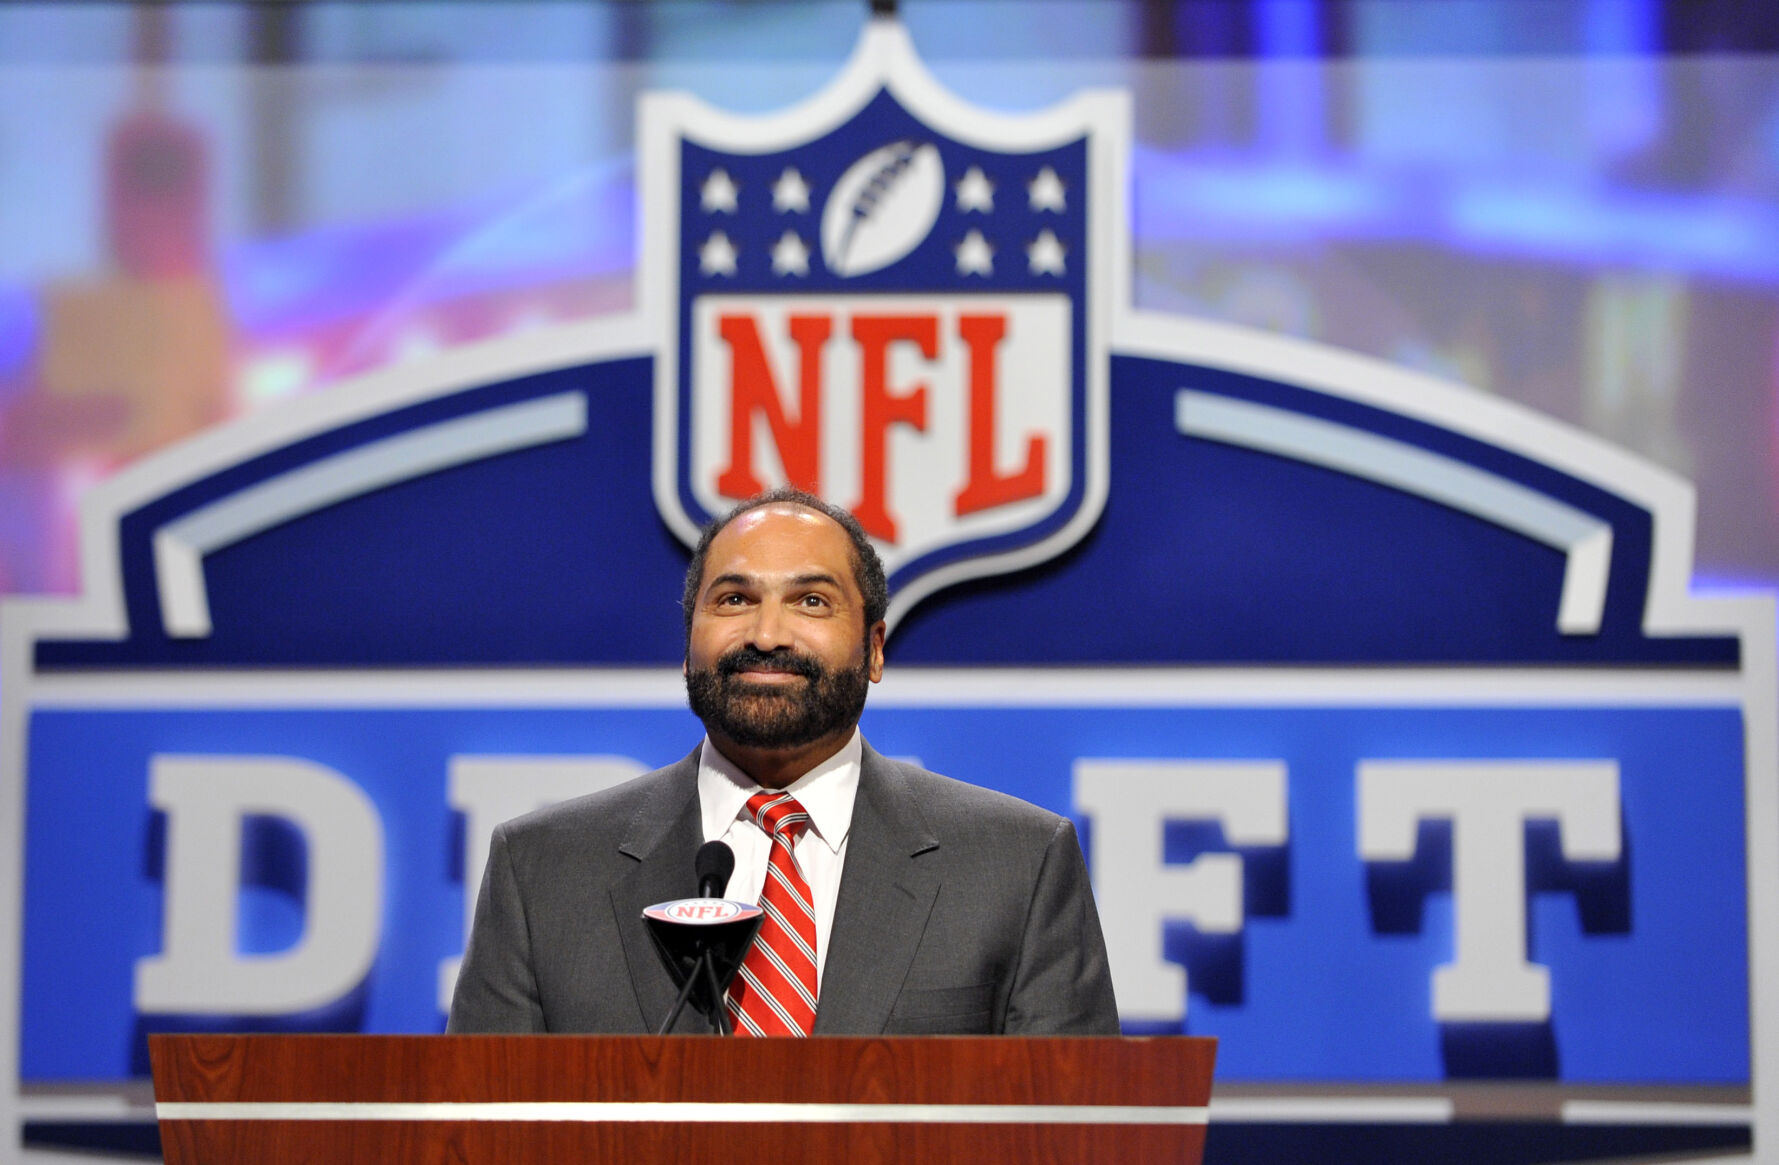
826, 792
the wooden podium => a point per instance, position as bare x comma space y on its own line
318, 1098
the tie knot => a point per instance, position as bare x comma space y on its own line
778, 814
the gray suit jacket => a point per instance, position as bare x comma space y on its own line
960, 910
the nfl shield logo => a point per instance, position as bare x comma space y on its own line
862, 297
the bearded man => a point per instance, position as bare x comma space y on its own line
897, 901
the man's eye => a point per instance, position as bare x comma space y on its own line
815, 601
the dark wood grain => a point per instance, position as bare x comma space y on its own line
1167, 1071
903, 1070
330, 1143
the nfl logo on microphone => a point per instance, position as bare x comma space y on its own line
914, 329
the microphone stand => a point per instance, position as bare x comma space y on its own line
713, 865
719, 1010
719, 1019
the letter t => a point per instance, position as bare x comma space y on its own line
1488, 804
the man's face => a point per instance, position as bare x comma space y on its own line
780, 656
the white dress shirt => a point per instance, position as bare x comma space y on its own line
826, 793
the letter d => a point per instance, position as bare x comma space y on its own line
199, 970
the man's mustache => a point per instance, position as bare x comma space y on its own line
781, 659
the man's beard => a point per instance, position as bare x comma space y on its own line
777, 715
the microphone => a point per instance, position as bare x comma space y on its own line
713, 865
703, 939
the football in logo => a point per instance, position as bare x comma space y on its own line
882, 207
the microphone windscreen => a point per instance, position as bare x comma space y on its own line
713, 865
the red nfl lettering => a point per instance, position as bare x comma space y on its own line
875, 366
753, 391
698, 910
986, 488
883, 408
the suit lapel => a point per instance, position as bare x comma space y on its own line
884, 901
663, 837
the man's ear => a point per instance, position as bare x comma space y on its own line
879, 635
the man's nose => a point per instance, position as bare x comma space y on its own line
771, 627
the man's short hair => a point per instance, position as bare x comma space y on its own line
867, 568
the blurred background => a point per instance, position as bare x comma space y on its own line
209, 208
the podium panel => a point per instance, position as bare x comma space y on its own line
675, 1098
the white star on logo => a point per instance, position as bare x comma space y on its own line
975, 192
790, 256
790, 192
1044, 254
717, 255
974, 255
1046, 191
718, 192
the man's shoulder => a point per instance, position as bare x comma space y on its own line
952, 806
607, 811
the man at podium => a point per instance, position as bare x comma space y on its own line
896, 901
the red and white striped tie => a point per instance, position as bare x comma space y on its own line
774, 992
